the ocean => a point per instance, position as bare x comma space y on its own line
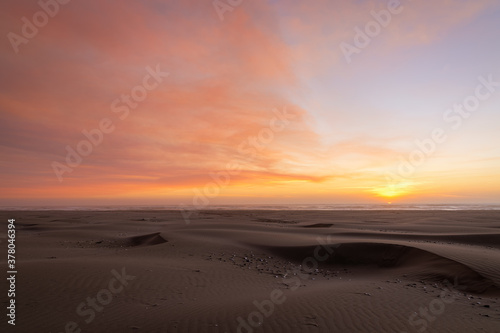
269, 207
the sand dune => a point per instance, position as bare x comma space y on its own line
257, 271
145, 240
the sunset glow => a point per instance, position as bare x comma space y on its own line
182, 102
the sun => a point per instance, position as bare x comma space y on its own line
393, 190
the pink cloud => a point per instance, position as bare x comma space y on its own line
225, 79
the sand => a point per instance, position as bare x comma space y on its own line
255, 271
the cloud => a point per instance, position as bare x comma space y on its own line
315, 31
225, 80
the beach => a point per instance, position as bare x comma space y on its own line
257, 271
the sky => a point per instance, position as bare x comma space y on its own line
202, 103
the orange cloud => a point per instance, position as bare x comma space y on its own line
224, 81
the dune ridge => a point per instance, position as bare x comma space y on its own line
221, 269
